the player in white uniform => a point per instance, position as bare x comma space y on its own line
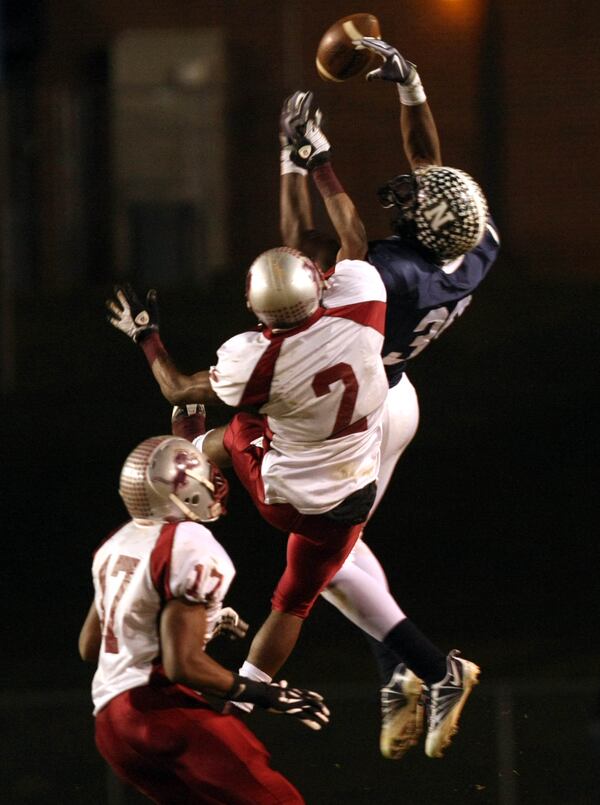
309, 457
321, 387
159, 582
429, 281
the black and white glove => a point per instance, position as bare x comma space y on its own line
294, 116
276, 697
394, 68
128, 314
229, 624
300, 128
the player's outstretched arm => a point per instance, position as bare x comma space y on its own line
139, 321
185, 662
417, 125
342, 213
295, 208
311, 151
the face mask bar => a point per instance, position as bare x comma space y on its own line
400, 192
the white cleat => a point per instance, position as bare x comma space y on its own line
445, 700
401, 713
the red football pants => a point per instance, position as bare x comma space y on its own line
317, 546
174, 748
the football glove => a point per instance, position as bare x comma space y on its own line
394, 68
276, 697
301, 128
295, 113
128, 314
229, 624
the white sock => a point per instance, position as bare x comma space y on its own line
199, 440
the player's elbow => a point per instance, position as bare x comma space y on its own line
186, 389
181, 390
90, 637
88, 648
86, 656
178, 664
174, 395
175, 670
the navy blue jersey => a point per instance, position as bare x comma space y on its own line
422, 299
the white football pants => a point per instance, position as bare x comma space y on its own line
360, 589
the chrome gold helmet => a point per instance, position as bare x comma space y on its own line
283, 288
442, 209
167, 478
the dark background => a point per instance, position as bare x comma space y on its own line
487, 531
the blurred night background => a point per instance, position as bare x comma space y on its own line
139, 141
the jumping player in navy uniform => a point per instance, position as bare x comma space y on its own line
443, 245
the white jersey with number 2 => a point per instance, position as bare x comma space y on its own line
322, 387
136, 572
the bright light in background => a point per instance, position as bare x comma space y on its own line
461, 12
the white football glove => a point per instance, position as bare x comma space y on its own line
301, 129
294, 114
229, 624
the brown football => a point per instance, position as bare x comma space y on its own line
337, 58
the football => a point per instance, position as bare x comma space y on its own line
337, 58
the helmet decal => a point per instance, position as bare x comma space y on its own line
167, 478
443, 210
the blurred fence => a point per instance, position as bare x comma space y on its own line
519, 744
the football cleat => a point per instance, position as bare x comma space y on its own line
188, 421
444, 701
401, 713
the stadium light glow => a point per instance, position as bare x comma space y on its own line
462, 12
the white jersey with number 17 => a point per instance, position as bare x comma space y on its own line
136, 572
321, 386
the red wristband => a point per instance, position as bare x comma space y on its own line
153, 347
326, 181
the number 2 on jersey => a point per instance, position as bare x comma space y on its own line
322, 383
